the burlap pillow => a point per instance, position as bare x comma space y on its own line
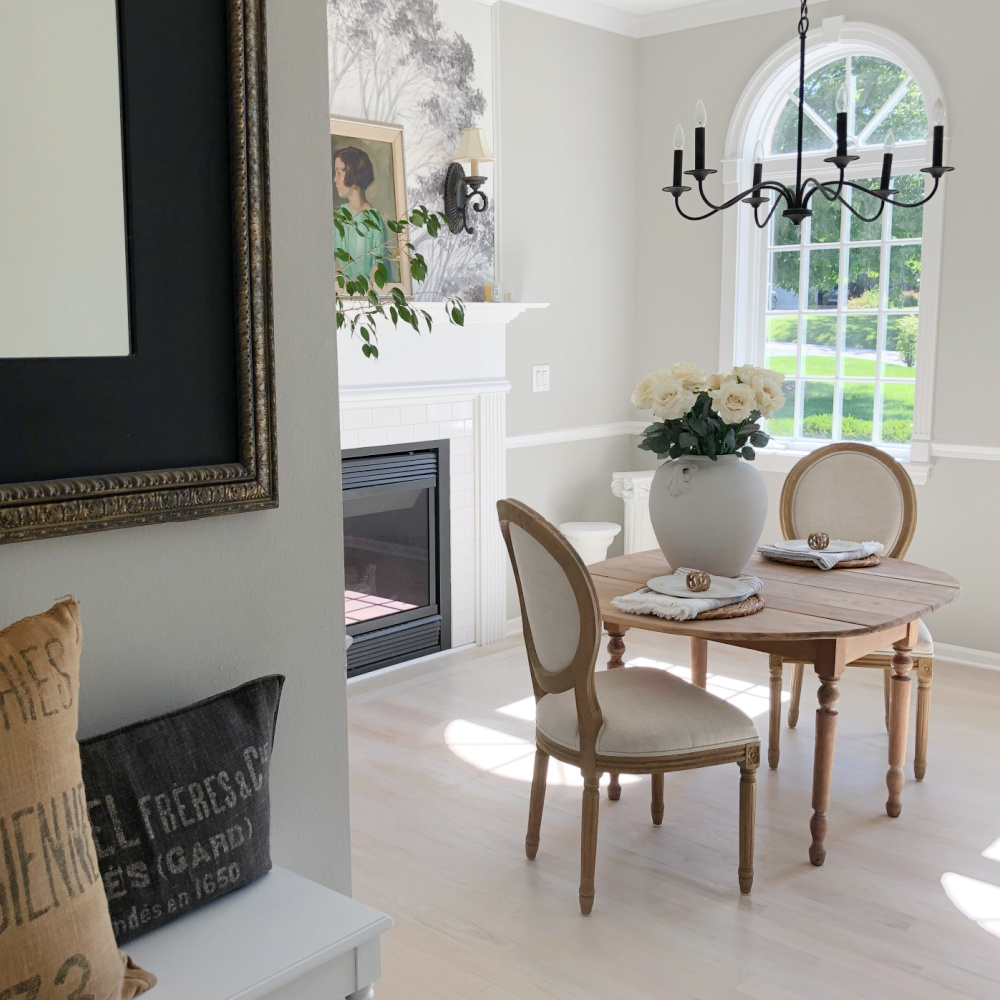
55, 932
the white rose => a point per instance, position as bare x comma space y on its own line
642, 394
671, 400
768, 395
691, 375
747, 373
734, 401
715, 381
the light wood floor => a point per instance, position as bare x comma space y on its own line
439, 804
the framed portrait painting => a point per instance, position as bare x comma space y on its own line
368, 173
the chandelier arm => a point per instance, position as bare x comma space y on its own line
736, 199
770, 215
694, 218
915, 204
823, 188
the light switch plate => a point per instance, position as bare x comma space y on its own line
540, 378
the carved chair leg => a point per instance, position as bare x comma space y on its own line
899, 717
588, 842
798, 671
925, 673
748, 811
657, 806
537, 803
826, 739
887, 693
774, 716
616, 654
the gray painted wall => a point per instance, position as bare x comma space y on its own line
173, 613
567, 110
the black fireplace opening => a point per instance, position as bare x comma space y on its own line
397, 553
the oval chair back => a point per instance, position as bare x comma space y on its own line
851, 491
559, 611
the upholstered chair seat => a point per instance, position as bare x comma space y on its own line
924, 646
647, 713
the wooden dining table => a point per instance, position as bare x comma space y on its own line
826, 618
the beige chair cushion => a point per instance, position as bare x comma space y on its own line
549, 602
923, 648
647, 713
849, 495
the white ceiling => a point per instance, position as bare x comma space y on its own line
643, 18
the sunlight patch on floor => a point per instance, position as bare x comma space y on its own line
993, 851
979, 901
509, 756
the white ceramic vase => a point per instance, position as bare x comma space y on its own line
708, 515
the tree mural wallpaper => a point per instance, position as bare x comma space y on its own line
425, 65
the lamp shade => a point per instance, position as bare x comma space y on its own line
474, 146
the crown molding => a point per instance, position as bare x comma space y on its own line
678, 15
682, 15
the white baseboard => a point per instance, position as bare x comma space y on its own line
966, 656
514, 626
401, 675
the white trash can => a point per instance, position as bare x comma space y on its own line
591, 539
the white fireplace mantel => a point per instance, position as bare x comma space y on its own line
448, 383
476, 351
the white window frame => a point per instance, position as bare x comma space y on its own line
744, 284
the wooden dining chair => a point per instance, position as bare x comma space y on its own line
636, 721
857, 492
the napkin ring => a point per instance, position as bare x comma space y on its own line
698, 580
819, 540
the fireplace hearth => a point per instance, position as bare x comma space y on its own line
397, 594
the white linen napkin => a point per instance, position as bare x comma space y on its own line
821, 559
681, 609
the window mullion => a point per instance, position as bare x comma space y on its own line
883, 322
805, 230
840, 341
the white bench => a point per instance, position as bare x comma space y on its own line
281, 936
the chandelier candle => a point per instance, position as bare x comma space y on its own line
796, 198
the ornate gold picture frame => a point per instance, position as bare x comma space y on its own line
236, 323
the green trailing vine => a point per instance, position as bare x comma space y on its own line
364, 300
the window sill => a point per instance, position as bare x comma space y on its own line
779, 458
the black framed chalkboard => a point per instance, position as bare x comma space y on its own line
184, 426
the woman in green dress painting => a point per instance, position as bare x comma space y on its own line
352, 175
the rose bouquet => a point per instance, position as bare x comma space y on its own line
700, 414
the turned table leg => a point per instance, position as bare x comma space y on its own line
699, 661
826, 738
774, 712
616, 652
899, 717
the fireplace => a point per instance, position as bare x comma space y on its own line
397, 590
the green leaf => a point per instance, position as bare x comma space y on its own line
748, 454
393, 315
458, 316
675, 451
381, 275
760, 439
366, 350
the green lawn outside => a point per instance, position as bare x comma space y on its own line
825, 365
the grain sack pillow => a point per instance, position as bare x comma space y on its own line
180, 806
56, 939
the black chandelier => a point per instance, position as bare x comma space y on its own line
798, 198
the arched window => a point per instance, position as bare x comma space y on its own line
840, 305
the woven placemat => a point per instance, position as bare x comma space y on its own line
750, 606
847, 564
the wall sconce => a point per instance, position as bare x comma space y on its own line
461, 191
